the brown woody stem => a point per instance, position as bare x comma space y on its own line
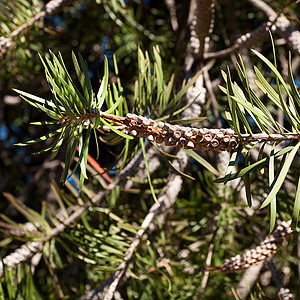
184, 137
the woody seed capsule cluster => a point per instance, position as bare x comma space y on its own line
179, 136
267, 248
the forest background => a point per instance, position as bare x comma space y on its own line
147, 221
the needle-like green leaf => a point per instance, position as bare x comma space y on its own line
118, 132
247, 182
255, 166
148, 172
202, 161
296, 209
281, 176
40, 139
103, 86
292, 82
271, 181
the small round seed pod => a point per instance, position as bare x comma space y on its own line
179, 128
166, 126
170, 141
194, 131
140, 119
177, 134
230, 131
189, 145
188, 134
182, 141
207, 138
215, 143
133, 132
130, 116
133, 122
203, 131
160, 124
151, 121
222, 146
171, 128
233, 143
213, 131
146, 122
220, 135
226, 139
150, 138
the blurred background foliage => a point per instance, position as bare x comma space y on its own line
205, 215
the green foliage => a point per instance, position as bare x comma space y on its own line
18, 284
242, 104
87, 226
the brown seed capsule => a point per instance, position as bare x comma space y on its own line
213, 131
195, 131
226, 139
146, 122
198, 147
176, 134
207, 138
220, 135
171, 128
203, 131
215, 143
160, 124
166, 126
233, 143
189, 145
182, 140
170, 141
140, 119
133, 132
188, 134
150, 138
133, 122
230, 131
131, 116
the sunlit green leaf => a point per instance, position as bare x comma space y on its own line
281, 176
202, 161
40, 139
296, 209
148, 172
